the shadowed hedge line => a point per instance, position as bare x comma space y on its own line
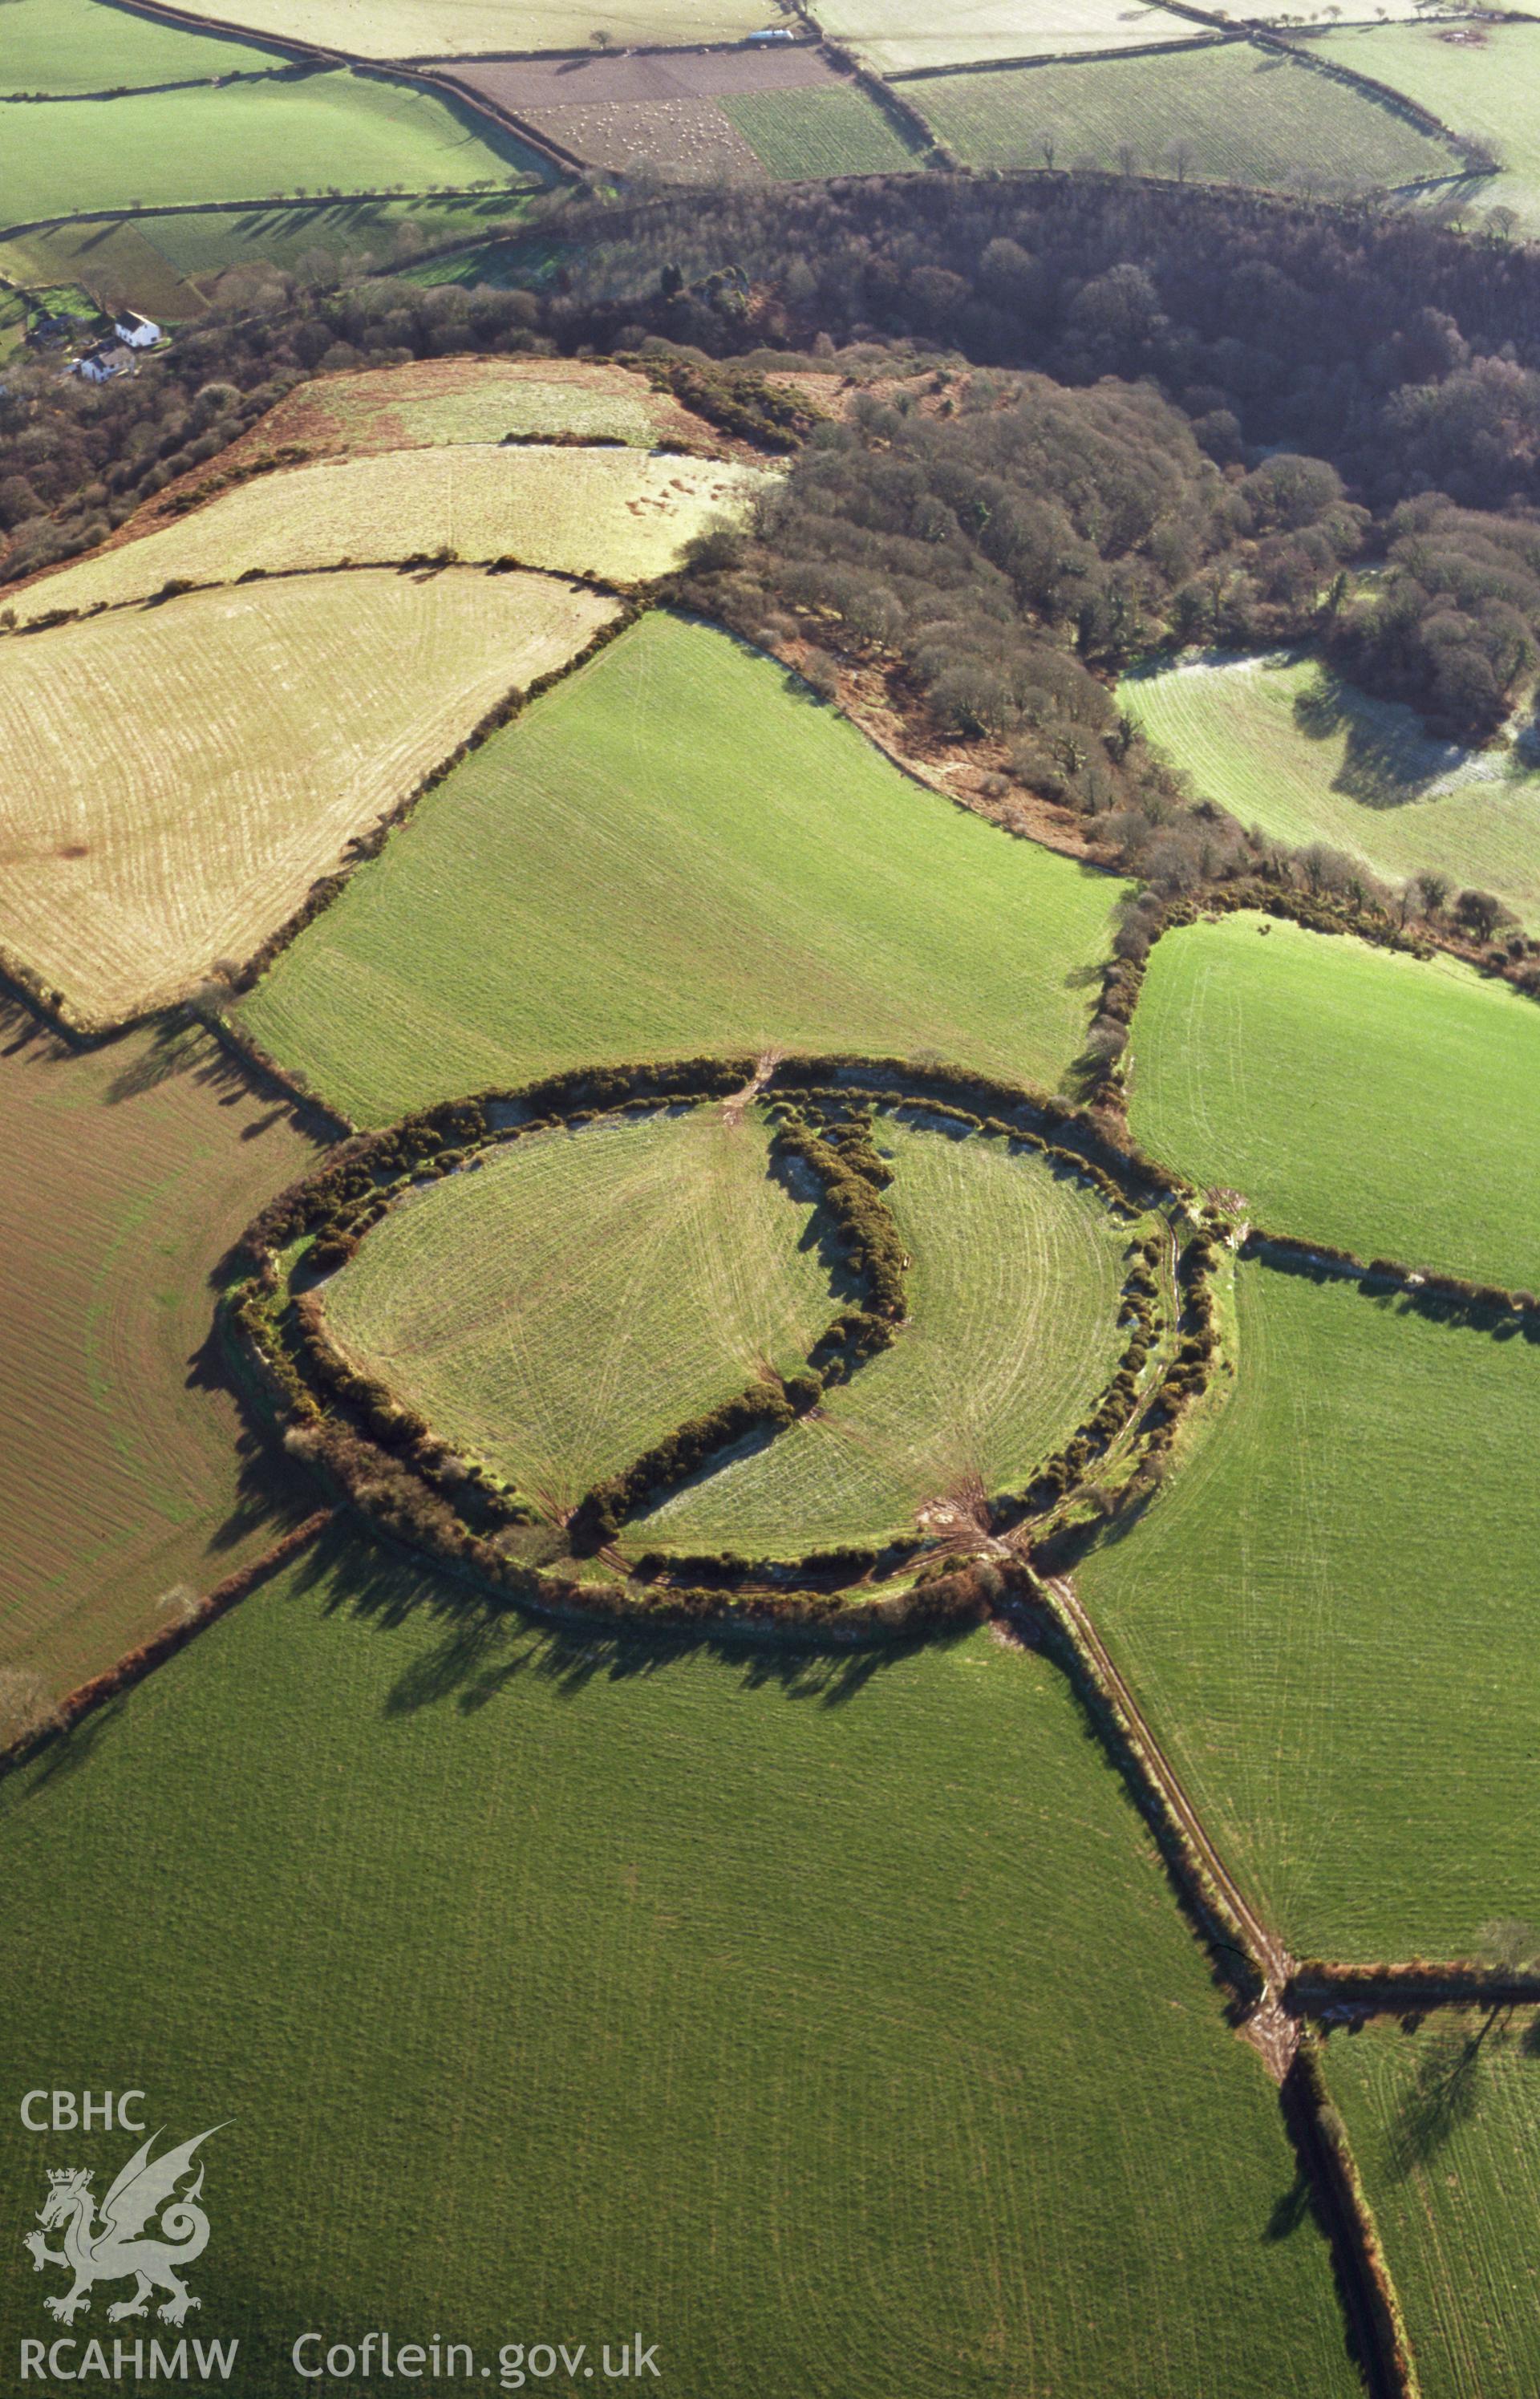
1486, 1306
387, 1459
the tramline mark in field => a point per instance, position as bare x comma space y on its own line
1013, 1304
834, 2000
180, 776
129, 1486
618, 514
1326, 1616
1226, 113
1356, 1096
557, 1311
678, 851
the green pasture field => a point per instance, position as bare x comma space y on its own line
1283, 743
433, 29
615, 514
799, 135
1445, 2126
129, 1484
113, 261
905, 36
208, 242
1013, 1305
1354, 1095
1327, 1617
828, 2020
1477, 78
249, 141
680, 850
75, 46
557, 1311
1225, 114
178, 777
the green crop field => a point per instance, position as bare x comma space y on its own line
826, 2020
901, 36
1013, 1305
1355, 1096
433, 29
1327, 1617
1477, 78
558, 1311
678, 851
129, 1484
114, 262
1231, 114
1445, 2125
251, 141
801, 134
618, 514
1284, 744
179, 776
75, 46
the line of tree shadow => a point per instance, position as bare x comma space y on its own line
1390, 758
486, 1648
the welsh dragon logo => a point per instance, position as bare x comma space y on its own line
107, 2251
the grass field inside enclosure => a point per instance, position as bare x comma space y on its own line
1355, 1096
617, 514
433, 29
557, 1312
1284, 744
1328, 1617
1229, 113
1445, 2125
179, 776
1479, 78
476, 400
115, 262
901, 36
205, 243
249, 141
1013, 1308
76, 46
678, 851
827, 2019
130, 1484
797, 135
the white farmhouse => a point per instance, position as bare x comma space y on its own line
104, 360
135, 330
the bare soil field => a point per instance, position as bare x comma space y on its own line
130, 1484
432, 401
690, 138
181, 775
615, 514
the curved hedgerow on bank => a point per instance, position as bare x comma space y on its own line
770, 1323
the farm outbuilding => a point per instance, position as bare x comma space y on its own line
102, 362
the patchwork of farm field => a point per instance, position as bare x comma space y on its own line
145, 834
1477, 77
798, 135
80, 46
678, 851
557, 1312
115, 262
615, 514
1327, 1617
1227, 113
1284, 744
128, 1486
907, 36
1445, 2124
1013, 1305
433, 401
433, 29
1356, 1096
478, 1928
246, 142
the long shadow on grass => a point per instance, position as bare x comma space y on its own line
485, 1649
